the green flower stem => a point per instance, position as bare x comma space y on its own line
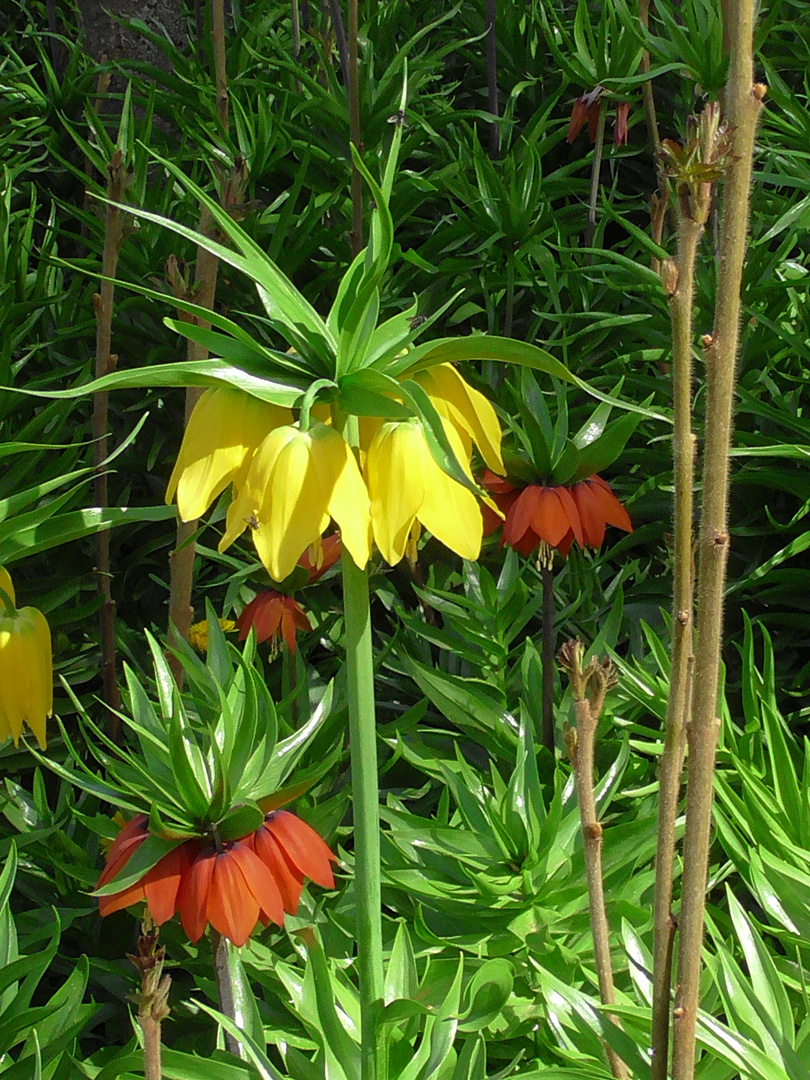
679, 281
5, 600
596, 169
547, 655
222, 969
743, 102
365, 796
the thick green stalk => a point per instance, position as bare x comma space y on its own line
679, 281
366, 803
742, 103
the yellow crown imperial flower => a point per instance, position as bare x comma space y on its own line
408, 488
26, 674
296, 482
222, 433
467, 410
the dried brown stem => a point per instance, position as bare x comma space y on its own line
220, 69
181, 560
596, 678
153, 1005
743, 103
492, 78
680, 278
105, 363
354, 131
646, 87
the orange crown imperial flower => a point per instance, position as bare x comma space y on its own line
273, 615
256, 878
557, 514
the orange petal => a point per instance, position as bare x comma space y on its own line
304, 847
108, 904
120, 859
259, 880
590, 514
550, 521
496, 484
519, 518
130, 836
612, 510
288, 877
231, 907
491, 520
570, 508
564, 545
162, 882
193, 894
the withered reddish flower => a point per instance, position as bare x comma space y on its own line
256, 878
620, 132
586, 108
273, 615
557, 514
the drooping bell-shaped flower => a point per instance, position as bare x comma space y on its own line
232, 886
273, 616
470, 413
26, 667
409, 489
557, 514
297, 482
223, 431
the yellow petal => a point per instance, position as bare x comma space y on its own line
467, 409
292, 513
347, 496
449, 510
11, 691
26, 675
38, 665
396, 484
6, 585
223, 431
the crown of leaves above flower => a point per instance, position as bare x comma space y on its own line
544, 450
205, 763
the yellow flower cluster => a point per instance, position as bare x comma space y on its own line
289, 483
26, 676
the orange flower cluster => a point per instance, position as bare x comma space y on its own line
557, 514
273, 615
254, 879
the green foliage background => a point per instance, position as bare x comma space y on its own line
485, 900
